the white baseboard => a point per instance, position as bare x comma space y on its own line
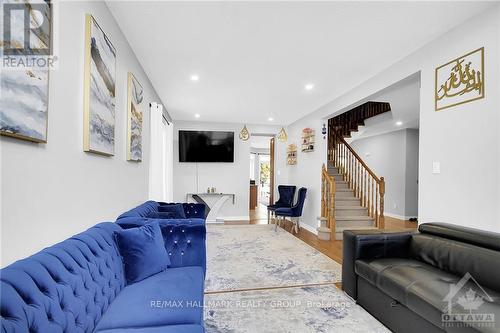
235, 218
399, 217
309, 228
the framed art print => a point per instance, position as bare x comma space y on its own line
99, 90
24, 90
134, 122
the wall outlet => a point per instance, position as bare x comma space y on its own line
436, 168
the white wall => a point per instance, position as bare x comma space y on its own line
387, 156
465, 139
225, 177
307, 172
411, 167
52, 191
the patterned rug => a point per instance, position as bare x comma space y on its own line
289, 310
241, 257
259, 280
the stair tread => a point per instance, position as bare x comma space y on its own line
347, 199
354, 218
344, 190
350, 207
354, 227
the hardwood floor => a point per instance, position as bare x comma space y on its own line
332, 248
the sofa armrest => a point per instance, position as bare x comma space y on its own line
370, 244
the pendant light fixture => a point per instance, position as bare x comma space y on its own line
244, 133
282, 136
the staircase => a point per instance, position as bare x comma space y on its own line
352, 196
349, 212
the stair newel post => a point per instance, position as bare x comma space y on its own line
382, 193
377, 191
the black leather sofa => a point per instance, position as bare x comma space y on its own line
443, 278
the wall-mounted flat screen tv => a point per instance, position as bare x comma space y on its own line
206, 146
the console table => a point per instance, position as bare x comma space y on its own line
213, 203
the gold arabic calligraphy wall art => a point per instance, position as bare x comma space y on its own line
460, 80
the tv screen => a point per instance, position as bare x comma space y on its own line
206, 146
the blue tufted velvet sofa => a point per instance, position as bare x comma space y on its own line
78, 285
195, 214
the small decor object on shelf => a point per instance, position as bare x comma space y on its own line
460, 80
307, 140
134, 128
291, 154
282, 136
99, 92
244, 133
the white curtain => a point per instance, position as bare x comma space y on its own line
169, 162
161, 156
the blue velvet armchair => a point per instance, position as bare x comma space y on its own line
294, 212
286, 193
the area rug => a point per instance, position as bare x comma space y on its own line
318, 309
241, 257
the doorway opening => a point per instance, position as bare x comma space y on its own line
261, 177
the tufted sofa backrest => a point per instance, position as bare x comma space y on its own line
143, 210
63, 288
192, 210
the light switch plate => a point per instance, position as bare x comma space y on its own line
436, 168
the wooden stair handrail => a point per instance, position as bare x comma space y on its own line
357, 157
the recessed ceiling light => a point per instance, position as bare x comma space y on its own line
399, 123
197, 115
195, 77
270, 118
309, 86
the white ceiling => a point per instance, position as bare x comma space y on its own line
404, 98
254, 58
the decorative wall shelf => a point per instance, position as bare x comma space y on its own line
291, 154
308, 140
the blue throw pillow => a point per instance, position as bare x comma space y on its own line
176, 209
161, 215
143, 251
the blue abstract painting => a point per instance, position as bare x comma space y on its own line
100, 85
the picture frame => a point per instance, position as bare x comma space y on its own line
99, 90
24, 106
135, 97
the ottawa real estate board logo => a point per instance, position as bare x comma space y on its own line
468, 305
